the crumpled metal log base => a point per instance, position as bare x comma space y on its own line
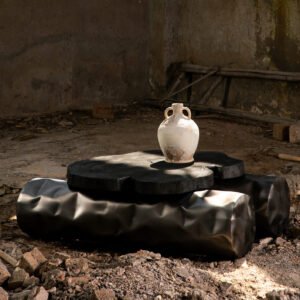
271, 200
206, 222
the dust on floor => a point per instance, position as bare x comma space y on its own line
43, 146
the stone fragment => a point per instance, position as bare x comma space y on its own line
62, 255
52, 290
266, 241
65, 123
38, 293
280, 241
283, 295
4, 273
20, 296
31, 281
32, 260
78, 280
38, 255
294, 133
28, 262
3, 294
52, 277
104, 294
76, 266
281, 131
9, 259
17, 278
139, 257
199, 295
148, 255
55, 262
183, 272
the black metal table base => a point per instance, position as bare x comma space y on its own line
204, 222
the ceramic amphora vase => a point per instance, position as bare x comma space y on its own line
178, 135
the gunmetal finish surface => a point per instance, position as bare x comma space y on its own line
148, 173
204, 222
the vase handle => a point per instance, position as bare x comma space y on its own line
167, 112
188, 111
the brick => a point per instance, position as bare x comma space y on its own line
38, 255
17, 278
32, 260
4, 273
281, 131
104, 111
294, 133
3, 294
28, 262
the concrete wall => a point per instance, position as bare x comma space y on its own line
70, 53
233, 33
56, 55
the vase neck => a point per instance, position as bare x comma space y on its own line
177, 108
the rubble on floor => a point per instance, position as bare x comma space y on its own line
270, 270
139, 275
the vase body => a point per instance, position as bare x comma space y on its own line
178, 135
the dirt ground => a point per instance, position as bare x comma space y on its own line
43, 146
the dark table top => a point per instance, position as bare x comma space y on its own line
148, 173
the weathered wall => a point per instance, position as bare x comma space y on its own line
233, 33
60, 54
56, 55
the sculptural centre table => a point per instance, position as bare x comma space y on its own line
138, 200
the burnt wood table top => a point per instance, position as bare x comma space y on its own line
147, 173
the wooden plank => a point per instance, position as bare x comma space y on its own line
289, 157
244, 73
194, 82
189, 90
9, 259
226, 91
210, 90
236, 113
174, 85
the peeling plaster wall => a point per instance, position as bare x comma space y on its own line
56, 55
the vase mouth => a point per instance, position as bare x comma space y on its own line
177, 104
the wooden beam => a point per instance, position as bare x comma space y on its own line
227, 112
210, 73
210, 90
289, 157
226, 91
243, 73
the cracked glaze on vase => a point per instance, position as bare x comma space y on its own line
178, 135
